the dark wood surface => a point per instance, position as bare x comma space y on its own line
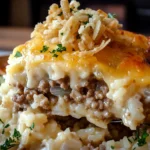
3, 64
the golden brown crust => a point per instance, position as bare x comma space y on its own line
129, 39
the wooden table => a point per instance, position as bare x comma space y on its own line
11, 37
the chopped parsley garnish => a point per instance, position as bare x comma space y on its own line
62, 33
18, 54
60, 14
112, 147
142, 139
85, 22
32, 126
55, 55
129, 140
110, 15
4, 126
7, 125
45, 48
59, 49
11, 141
1, 121
16, 134
53, 51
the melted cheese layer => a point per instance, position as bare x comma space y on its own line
125, 71
113, 62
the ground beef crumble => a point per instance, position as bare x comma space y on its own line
92, 95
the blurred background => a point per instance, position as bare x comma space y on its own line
18, 17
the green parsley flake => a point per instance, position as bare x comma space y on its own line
62, 33
11, 141
129, 140
45, 48
18, 54
1, 121
60, 14
142, 138
59, 49
111, 15
86, 22
4, 126
16, 134
55, 55
32, 126
112, 147
53, 51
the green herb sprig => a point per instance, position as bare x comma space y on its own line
142, 139
85, 22
44, 49
18, 54
130, 140
16, 135
112, 147
55, 55
4, 126
11, 141
89, 16
32, 126
59, 49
